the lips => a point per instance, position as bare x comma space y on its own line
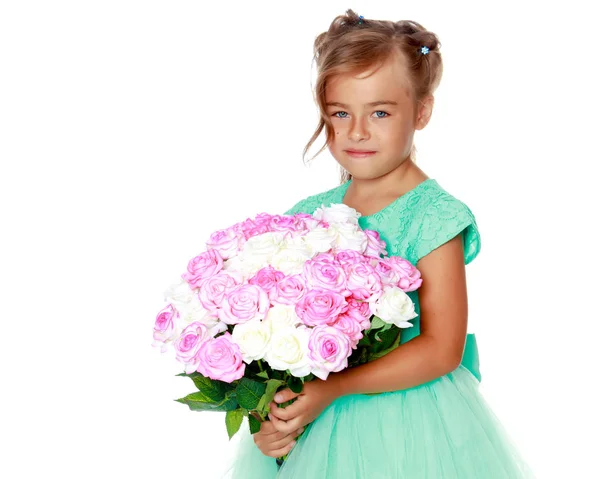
360, 153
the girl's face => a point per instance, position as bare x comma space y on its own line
375, 113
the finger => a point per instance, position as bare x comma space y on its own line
280, 412
285, 395
279, 439
276, 422
267, 427
282, 426
286, 426
263, 441
280, 443
288, 412
282, 451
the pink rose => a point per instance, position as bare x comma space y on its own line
323, 272
188, 344
387, 272
221, 359
164, 327
263, 218
376, 247
237, 228
252, 228
326, 258
349, 256
328, 349
292, 224
361, 311
203, 267
290, 289
227, 242
214, 289
243, 303
363, 281
311, 222
257, 230
410, 277
319, 307
267, 278
351, 326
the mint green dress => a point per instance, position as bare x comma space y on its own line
442, 429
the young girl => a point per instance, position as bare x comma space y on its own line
375, 87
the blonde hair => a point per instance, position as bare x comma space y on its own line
353, 45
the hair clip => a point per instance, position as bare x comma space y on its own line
360, 19
424, 50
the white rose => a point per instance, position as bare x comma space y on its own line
258, 251
242, 270
349, 236
179, 294
232, 265
265, 244
253, 339
337, 213
282, 316
291, 258
297, 243
194, 311
288, 349
250, 265
320, 240
395, 307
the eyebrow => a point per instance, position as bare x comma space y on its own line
373, 103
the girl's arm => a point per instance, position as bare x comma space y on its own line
439, 348
435, 352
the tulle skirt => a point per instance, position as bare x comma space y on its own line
443, 429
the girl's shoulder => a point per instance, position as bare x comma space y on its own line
437, 216
309, 204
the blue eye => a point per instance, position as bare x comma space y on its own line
346, 114
339, 112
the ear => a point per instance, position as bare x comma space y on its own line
424, 111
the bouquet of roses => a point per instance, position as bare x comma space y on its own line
278, 300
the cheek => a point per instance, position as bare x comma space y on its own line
397, 134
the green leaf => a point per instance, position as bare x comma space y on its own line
263, 374
376, 323
385, 336
249, 393
233, 421
213, 390
295, 384
198, 402
230, 403
254, 424
267, 397
379, 354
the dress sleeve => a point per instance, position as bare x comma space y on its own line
446, 218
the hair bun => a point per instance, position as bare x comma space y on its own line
417, 35
427, 39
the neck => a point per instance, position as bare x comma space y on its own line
395, 183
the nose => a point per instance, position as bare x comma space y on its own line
358, 131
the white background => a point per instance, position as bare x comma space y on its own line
130, 130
